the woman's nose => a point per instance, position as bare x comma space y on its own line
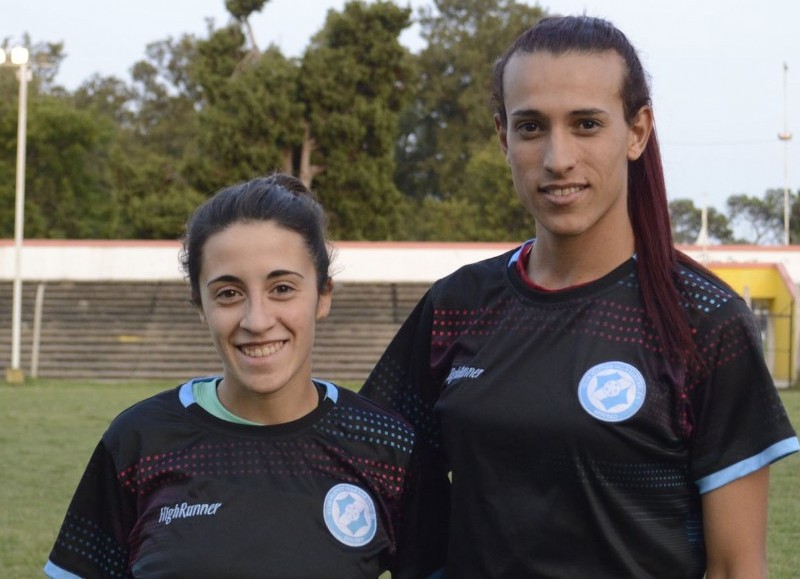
560, 154
259, 315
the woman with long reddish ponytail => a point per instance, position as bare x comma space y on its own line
592, 403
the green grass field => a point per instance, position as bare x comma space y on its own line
49, 428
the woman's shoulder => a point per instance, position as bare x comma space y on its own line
492, 265
704, 291
357, 417
716, 311
145, 415
473, 278
354, 401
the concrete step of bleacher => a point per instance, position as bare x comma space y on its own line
111, 330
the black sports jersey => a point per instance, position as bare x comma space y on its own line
172, 491
576, 450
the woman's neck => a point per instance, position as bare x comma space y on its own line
559, 263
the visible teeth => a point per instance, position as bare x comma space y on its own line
261, 351
564, 192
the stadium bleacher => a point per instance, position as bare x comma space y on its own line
142, 330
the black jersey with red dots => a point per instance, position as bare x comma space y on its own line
575, 449
173, 491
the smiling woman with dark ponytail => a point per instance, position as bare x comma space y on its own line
600, 401
263, 471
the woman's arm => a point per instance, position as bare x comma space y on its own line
735, 522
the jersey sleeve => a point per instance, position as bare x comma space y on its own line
404, 382
740, 424
93, 539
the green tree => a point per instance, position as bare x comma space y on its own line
156, 200
64, 188
356, 79
9, 105
108, 97
486, 210
241, 10
251, 121
450, 118
66, 191
489, 187
687, 219
761, 217
157, 130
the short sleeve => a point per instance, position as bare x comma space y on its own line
92, 541
740, 424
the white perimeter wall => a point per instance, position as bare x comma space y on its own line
353, 261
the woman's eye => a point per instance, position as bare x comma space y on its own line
283, 289
529, 127
227, 294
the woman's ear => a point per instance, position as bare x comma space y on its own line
198, 306
325, 299
502, 134
639, 132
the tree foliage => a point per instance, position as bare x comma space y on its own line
687, 222
251, 121
763, 217
398, 145
242, 9
356, 79
65, 187
450, 118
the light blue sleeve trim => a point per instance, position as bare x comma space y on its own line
56, 572
186, 394
331, 391
749, 465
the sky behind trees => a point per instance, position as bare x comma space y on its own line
717, 68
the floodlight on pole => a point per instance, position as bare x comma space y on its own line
18, 57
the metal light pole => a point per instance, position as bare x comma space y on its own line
785, 136
19, 58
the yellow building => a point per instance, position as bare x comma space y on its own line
772, 296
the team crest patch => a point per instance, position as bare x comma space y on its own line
350, 515
612, 391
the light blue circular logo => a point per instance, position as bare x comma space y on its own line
350, 515
612, 391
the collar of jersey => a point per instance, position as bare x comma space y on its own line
203, 392
516, 270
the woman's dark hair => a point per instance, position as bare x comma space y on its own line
279, 198
647, 195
